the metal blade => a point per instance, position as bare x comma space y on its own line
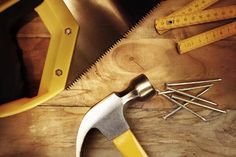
102, 23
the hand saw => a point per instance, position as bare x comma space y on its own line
71, 51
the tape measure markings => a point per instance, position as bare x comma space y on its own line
206, 38
209, 15
196, 5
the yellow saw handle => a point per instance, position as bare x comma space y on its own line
128, 145
63, 30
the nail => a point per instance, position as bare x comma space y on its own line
193, 82
191, 111
185, 89
198, 104
185, 104
191, 96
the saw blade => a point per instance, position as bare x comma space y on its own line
102, 24
80, 76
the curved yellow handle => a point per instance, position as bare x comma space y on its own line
63, 29
129, 146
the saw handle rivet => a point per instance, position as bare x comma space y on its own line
68, 31
58, 72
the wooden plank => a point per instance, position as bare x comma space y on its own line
50, 129
34, 51
158, 59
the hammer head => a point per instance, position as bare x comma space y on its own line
107, 116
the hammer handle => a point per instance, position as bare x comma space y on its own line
128, 145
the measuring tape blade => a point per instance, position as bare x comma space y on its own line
206, 38
209, 15
194, 6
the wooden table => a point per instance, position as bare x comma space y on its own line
50, 129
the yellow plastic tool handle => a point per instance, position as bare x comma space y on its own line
128, 145
63, 30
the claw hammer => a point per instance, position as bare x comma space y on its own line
107, 116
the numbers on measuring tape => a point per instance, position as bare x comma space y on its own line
205, 16
194, 6
192, 14
206, 38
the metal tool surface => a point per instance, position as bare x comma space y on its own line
102, 23
111, 122
177, 96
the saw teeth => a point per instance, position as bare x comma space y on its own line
112, 47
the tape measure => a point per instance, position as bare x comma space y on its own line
205, 16
192, 14
206, 38
192, 7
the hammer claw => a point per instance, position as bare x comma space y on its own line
107, 116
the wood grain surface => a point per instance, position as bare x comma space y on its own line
50, 129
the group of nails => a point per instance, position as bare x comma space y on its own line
177, 94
